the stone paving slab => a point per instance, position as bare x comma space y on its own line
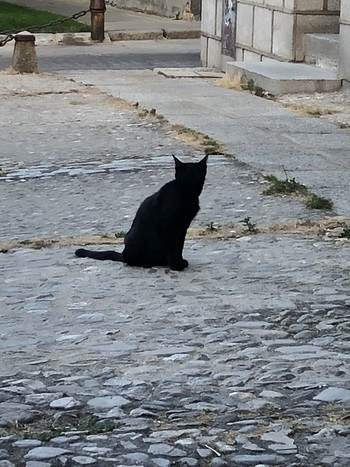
198, 72
285, 77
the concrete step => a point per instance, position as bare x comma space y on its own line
283, 77
322, 50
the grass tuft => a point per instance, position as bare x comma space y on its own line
286, 186
318, 202
292, 187
345, 233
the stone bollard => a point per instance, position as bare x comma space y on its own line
24, 55
97, 8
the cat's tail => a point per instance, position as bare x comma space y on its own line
101, 255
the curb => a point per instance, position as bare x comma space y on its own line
84, 38
116, 36
153, 35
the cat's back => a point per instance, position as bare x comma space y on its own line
176, 198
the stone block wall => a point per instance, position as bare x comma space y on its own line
211, 33
344, 41
276, 28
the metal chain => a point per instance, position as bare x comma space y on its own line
111, 3
7, 39
10, 36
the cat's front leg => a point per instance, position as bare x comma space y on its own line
181, 243
176, 261
185, 263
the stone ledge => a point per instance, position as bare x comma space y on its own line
198, 72
284, 78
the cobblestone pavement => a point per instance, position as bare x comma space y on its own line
240, 360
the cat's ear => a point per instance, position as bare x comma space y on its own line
204, 160
178, 163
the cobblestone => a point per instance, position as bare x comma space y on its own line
240, 360
183, 399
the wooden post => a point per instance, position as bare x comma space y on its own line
97, 8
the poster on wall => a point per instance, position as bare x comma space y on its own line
229, 28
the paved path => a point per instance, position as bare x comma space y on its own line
120, 55
240, 360
256, 131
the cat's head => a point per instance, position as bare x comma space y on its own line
191, 174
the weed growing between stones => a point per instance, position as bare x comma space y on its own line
211, 146
45, 428
205, 142
237, 83
345, 233
198, 139
211, 227
286, 186
333, 226
250, 226
252, 88
318, 202
292, 187
310, 110
195, 138
256, 90
345, 230
149, 113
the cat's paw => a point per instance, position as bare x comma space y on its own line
179, 265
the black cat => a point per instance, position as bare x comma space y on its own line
157, 234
